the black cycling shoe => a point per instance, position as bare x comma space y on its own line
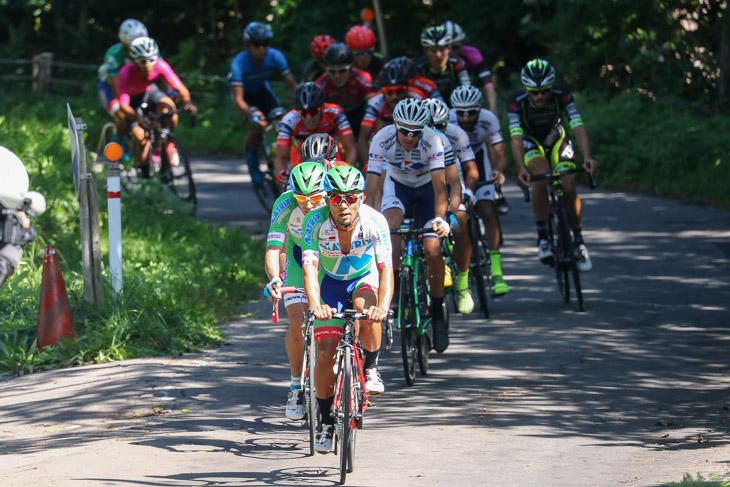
440, 335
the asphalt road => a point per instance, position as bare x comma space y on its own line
635, 391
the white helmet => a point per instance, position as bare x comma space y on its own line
13, 180
439, 111
143, 49
130, 30
412, 112
455, 30
466, 96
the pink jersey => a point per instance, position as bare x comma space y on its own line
132, 83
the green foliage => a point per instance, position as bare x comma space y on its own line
181, 276
713, 480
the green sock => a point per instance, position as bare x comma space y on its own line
462, 281
496, 259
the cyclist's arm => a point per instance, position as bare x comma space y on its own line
471, 175
452, 176
581, 137
438, 180
113, 82
499, 162
348, 145
272, 261
363, 143
241, 105
282, 158
291, 82
385, 289
518, 154
491, 94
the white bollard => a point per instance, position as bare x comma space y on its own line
113, 152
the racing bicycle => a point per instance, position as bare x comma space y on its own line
268, 190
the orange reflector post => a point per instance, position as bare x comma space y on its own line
367, 15
113, 152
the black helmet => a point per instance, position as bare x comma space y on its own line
319, 146
536, 74
308, 96
338, 53
257, 32
397, 72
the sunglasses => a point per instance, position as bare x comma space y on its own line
341, 70
410, 132
259, 43
467, 113
541, 91
312, 112
364, 52
350, 199
146, 62
312, 198
394, 90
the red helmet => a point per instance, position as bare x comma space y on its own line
320, 44
360, 38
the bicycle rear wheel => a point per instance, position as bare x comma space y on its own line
343, 415
556, 233
479, 259
179, 178
310, 397
407, 325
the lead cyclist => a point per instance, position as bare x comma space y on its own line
306, 193
347, 255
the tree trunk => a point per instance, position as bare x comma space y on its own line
723, 84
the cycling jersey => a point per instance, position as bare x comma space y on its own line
253, 77
453, 75
370, 246
378, 113
286, 227
412, 168
114, 59
132, 83
475, 64
293, 132
425, 87
376, 64
352, 95
542, 125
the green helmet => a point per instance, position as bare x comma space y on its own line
307, 177
344, 179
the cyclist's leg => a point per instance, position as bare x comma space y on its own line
296, 309
365, 296
394, 209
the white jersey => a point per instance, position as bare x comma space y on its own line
486, 129
412, 168
460, 145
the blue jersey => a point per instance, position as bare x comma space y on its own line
255, 78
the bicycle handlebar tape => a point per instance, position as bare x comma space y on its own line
54, 314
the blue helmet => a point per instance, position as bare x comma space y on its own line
257, 32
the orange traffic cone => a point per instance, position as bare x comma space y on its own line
54, 314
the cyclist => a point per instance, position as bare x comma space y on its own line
469, 175
446, 71
311, 115
114, 59
137, 86
344, 85
306, 193
484, 132
361, 41
250, 89
474, 63
321, 147
395, 78
540, 144
414, 155
347, 255
315, 67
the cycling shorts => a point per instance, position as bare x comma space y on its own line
106, 96
293, 277
559, 153
265, 100
337, 294
152, 97
418, 202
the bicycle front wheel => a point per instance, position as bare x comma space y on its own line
571, 261
344, 416
556, 235
309, 390
179, 178
407, 324
479, 259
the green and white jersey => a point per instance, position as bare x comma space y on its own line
114, 59
370, 245
286, 218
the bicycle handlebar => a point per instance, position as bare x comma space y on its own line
557, 174
275, 307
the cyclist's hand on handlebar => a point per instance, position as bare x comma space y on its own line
469, 197
523, 180
272, 288
282, 178
190, 109
376, 314
440, 226
322, 312
590, 165
496, 177
257, 118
